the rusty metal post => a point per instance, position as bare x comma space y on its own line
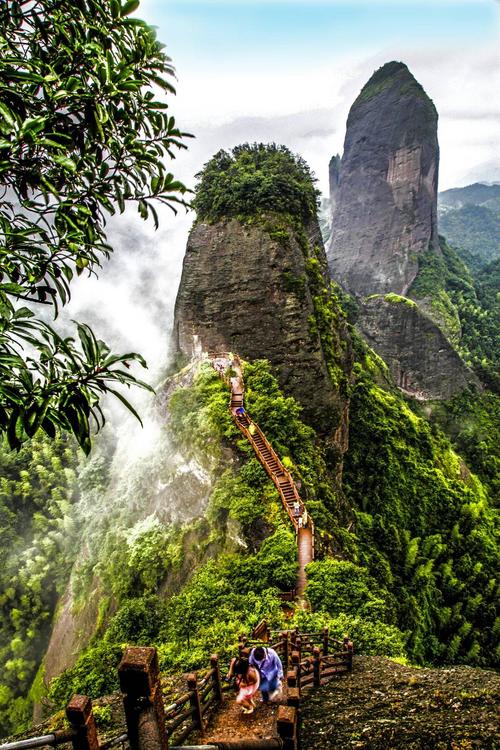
286, 725
216, 680
80, 716
195, 701
326, 641
142, 699
317, 666
291, 678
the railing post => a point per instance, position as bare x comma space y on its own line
216, 680
80, 716
350, 649
317, 666
293, 697
194, 700
286, 725
296, 666
291, 678
326, 641
142, 699
267, 633
284, 636
298, 647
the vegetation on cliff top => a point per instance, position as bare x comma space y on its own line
255, 178
393, 74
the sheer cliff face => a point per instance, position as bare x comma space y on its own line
420, 358
246, 288
385, 198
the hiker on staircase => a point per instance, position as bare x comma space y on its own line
247, 680
270, 668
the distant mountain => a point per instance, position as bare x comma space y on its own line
469, 217
478, 194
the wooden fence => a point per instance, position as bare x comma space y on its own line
309, 660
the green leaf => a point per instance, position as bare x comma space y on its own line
125, 403
33, 125
7, 114
66, 162
129, 7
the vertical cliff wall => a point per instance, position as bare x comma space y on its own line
246, 288
385, 197
384, 231
258, 284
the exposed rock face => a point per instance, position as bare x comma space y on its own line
245, 288
422, 361
385, 199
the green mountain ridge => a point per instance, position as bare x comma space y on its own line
470, 219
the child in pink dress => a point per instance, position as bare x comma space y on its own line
247, 680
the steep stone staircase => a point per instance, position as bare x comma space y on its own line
283, 480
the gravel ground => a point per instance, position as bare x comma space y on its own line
385, 706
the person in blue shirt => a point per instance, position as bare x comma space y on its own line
270, 668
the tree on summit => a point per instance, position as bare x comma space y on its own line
82, 134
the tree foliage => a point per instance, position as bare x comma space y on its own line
255, 178
425, 529
466, 305
82, 134
37, 547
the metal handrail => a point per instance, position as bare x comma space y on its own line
46, 739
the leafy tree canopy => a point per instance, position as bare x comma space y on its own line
82, 134
255, 178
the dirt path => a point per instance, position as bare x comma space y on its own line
229, 723
385, 706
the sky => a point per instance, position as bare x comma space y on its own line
288, 71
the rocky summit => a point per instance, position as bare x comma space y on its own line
245, 288
385, 195
255, 279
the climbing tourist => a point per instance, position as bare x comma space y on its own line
252, 429
296, 509
240, 411
247, 680
267, 661
304, 518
